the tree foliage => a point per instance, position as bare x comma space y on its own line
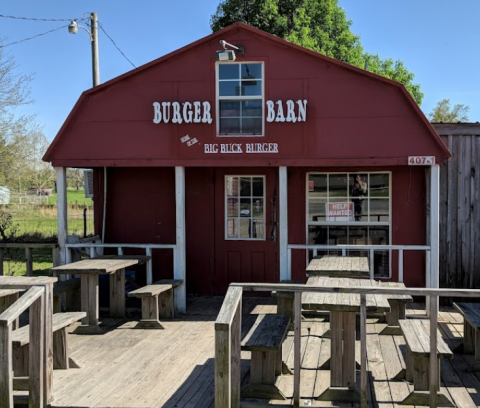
444, 112
22, 144
319, 25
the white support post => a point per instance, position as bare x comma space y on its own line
285, 272
434, 280
62, 212
148, 252
180, 251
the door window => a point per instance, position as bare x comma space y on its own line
245, 207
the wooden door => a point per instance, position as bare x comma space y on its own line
246, 244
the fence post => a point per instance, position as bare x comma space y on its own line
2, 251
28, 255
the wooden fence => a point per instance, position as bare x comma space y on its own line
460, 207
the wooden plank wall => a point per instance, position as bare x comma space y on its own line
460, 207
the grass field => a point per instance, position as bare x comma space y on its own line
41, 220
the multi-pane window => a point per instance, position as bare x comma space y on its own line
245, 207
350, 209
240, 99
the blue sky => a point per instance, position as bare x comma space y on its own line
438, 40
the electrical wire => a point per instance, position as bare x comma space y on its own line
116, 46
31, 38
40, 19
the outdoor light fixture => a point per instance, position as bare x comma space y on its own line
73, 27
226, 54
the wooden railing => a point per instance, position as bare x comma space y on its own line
34, 300
28, 254
228, 329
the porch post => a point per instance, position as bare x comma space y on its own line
285, 273
62, 212
434, 226
180, 251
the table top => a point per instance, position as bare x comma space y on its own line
338, 266
25, 282
140, 258
8, 292
95, 266
342, 302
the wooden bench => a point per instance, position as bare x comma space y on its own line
71, 288
397, 309
471, 333
61, 360
157, 302
417, 337
264, 340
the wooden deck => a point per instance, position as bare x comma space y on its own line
127, 367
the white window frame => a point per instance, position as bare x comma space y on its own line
226, 217
352, 223
239, 98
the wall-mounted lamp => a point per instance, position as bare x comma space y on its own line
226, 54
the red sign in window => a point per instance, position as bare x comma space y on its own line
340, 212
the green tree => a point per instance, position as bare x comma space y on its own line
319, 25
444, 112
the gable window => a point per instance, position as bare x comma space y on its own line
240, 99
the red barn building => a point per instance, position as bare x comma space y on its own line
235, 156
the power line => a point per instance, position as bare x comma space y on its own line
40, 19
35, 36
116, 46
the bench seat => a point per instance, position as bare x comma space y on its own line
417, 337
61, 360
471, 330
157, 302
265, 340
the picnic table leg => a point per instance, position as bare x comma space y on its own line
117, 294
89, 305
342, 359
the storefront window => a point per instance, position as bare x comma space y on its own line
240, 99
244, 212
350, 209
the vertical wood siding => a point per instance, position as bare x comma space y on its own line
460, 211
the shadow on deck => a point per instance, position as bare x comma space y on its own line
174, 368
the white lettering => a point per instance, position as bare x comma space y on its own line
207, 117
302, 110
157, 113
177, 118
261, 147
166, 111
280, 117
231, 148
185, 138
291, 111
187, 112
271, 111
197, 118
211, 148
191, 142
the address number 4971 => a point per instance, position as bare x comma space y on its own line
421, 160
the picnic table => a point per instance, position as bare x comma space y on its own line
397, 305
338, 266
343, 308
89, 269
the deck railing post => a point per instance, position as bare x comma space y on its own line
148, 252
434, 366
296, 348
400, 265
36, 353
6, 371
372, 270
363, 351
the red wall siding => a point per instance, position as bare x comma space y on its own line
140, 209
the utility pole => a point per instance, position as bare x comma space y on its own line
94, 40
